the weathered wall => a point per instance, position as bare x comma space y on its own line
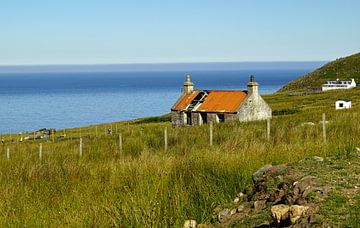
254, 108
231, 117
177, 119
212, 117
195, 119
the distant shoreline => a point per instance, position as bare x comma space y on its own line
161, 67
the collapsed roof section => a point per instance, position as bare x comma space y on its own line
217, 101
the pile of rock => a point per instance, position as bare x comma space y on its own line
282, 191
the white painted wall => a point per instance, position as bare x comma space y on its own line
340, 104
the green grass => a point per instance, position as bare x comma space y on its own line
145, 186
342, 68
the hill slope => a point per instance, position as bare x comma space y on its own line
342, 68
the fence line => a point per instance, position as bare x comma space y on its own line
40, 151
81, 147
165, 139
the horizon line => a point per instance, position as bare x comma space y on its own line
158, 63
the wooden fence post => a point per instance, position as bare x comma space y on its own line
120, 142
166, 139
324, 126
268, 129
211, 133
53, 135
96, 131
81, 147
40, 151
8, 153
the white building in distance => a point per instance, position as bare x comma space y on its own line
338, 84
343, 104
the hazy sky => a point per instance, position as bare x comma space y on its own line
161, 31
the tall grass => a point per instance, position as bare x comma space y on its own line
145, 186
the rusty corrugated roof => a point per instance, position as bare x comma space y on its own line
185, 100
222, 101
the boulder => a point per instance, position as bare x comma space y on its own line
223, 214
233, 211
190, 224
259, 205
260, 172
280, 212
236, 200
296, 212
318, 159
307, 124
240, 208
242, 197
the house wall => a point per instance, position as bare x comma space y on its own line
231, 117
345, 105
254, 108
178, 119
212, 117
196, 118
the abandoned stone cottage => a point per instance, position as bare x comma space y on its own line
197, 107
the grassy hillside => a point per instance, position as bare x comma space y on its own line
343, 68
143, 185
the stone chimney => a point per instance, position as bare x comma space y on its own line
252, 86
188, 85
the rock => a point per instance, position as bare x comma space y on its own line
280, 212
307, 124
304, 183
318, 159
236, 200
260, 172
223, 214
190, 224
242, 197
240, 208
233, 211
259, 205
296, 212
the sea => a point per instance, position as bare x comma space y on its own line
30, 100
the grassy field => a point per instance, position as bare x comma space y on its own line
143, 185
342, 68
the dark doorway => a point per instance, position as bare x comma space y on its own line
188, 118
221, 117
204, 117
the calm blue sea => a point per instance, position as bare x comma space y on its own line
30, 101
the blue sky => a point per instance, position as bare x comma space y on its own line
159, 31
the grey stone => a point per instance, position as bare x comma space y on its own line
242, 197
296, 212
280, 212
307, 124
233, 211
260, 172
223, 214
190, 224
240, 208
318, 159
236, 200
259, 205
